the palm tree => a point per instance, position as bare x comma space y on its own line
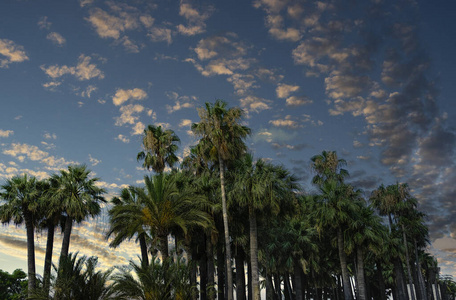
78, 279
51, 217
153, 281
166, 208
79, 197
336, 206
159, 148
256, 187
124, 221
221, 130
21, 194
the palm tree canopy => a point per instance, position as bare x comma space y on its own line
77, 193
221, 127
21, 194
159, 148
327, 165
166, 207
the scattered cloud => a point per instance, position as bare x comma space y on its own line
56, 38
10, 52
129, 114
284, 90
123, 138
287, 122
6, 133
195, 19
94, 161
50, 136
122, 96
84, 70
88, 91
43, 23
298, 101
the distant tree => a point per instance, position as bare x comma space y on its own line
159, 148
13, 286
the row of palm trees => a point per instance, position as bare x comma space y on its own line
227, 212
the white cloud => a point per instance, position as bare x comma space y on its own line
84, 70
297, 101
122, 96
56, 38
284, 90
160, 34
43, 23
123, 138
138, 129
12, 53
254, 103
195, 19
185, 123
287, 122
52, 85
50, 136
110, 26
94, 161
83, 3
88, 91
129, 114
6, 133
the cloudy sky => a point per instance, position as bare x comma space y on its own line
373, 80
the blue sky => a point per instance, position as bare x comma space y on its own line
373, 80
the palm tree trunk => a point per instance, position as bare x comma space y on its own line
254, 254
203, 276
400, 286
360, 274
240, 274
48, 257
164, 247
407, 257
381, 281
229, 273
220, 273
143, 246
343, 265
421, 283
66, 237
30, 254
298, 281
210, 269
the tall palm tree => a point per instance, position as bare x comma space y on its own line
21, 194
159, 148
79, 197
336, 195
221, 130
51, 214
124, 222
257, 186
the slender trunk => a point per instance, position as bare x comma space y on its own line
193, 271
400, 286
143, 246
343, 265
298, 281
249, 281
419, 296
277, 287
240, 274
66, 237
287, 287
48, 257
407, 258
203, 275
381, 281
211, 292
164, 247
360, 274
229, 273
421, 283
220, 273
269, 288
30, 254
254, 254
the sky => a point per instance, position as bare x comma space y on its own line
372, 80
